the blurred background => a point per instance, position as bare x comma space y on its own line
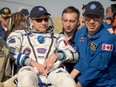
54, 7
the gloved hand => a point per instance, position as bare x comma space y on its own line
10, 82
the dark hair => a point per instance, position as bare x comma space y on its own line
71, 9
25, 12
17, 18
17, 23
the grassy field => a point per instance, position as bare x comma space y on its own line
57, 24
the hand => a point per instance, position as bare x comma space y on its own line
10, 82
40, 69
49, 62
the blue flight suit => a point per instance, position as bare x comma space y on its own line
97, 58
106, 25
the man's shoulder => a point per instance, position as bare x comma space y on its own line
108, 34
107, 31
84, 27
17, 32
82, 30
58, 34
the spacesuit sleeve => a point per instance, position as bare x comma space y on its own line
14, 42
69, 53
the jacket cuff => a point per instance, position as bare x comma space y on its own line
61, 55
27, 62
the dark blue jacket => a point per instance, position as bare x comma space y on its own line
97, 58
2, 31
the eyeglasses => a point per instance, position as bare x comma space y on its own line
40, 20
94, 17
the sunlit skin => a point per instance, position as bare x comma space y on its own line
93, 23
4, 21
69, 22
40, 26
82, 21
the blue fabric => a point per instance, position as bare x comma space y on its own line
42, 84
2, 31
24, 59
106, 25
97, 66
18, 58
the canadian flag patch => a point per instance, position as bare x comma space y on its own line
107, 47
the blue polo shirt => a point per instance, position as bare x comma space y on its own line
97, 58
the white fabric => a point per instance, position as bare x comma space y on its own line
58, 78
27, 77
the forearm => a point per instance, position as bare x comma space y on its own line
74, 73
32, 63
78, 84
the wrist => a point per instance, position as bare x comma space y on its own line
27, 61
32, 63
61, 55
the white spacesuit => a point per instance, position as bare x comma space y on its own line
25, 46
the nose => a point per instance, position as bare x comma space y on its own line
91, 20
68, 23
43, 22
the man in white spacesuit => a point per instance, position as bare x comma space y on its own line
41, 53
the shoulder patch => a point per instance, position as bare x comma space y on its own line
12, 40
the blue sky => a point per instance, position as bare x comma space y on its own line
55, 7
